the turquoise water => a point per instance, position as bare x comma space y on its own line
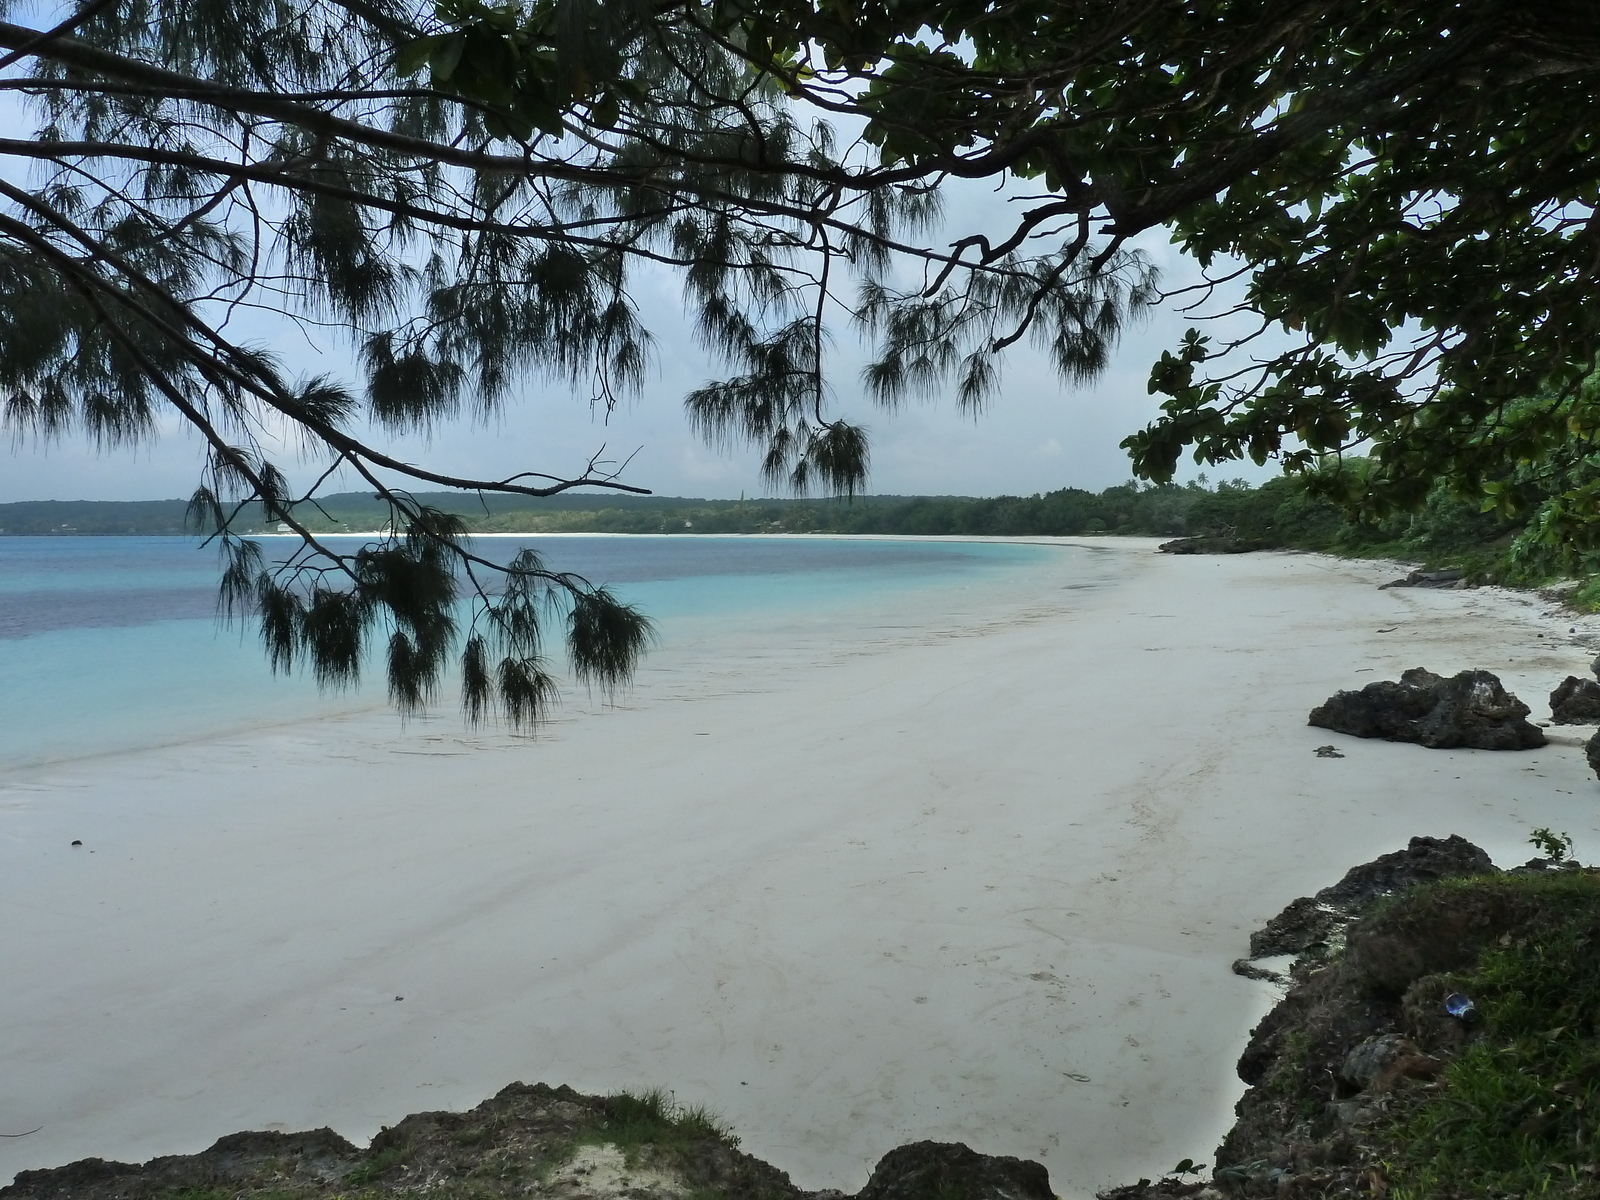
112, 643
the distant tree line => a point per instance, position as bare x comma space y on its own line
1284, 512
67, 518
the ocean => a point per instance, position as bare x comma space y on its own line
112, 643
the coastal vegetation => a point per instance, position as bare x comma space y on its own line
1511, 1114
1445, 1044
1286, 513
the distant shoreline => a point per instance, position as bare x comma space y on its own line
1283, 513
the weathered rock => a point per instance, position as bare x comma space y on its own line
492, 1152
1380, 709
1470, 710
1447, 577
1303, 923
1246, 969
1314, 920
1591, 751
1210, 545
312, 1156
1328, 1009
1575, 702
954, 1171
1340, 1067
1161, 1188
1538, 866
1424, 860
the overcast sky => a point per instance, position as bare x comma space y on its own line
1037, 435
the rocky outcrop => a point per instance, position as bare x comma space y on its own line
1575, 702
1424, 860
1446, 577
1210, 545
1363, 1039
1320, 920
526, 1141
1467, 711
1377, 1059
937, 1170
1161, 1189
314, 1156
1303, 923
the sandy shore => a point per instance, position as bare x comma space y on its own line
970, 867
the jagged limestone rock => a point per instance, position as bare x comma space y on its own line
1575, 702
940, 1170
1470, 710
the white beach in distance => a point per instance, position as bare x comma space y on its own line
970, 865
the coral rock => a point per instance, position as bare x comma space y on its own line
1575, 702
1470, 710
936, 1170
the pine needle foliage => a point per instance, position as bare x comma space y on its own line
461, 196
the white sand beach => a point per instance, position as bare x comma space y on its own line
969, 867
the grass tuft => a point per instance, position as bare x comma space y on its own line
375, 1166
653, 1118
1518, 1110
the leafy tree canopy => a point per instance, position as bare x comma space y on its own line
1409, 188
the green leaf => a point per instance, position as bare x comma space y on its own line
445, 55
413, 56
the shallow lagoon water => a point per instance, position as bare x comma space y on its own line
112, 643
